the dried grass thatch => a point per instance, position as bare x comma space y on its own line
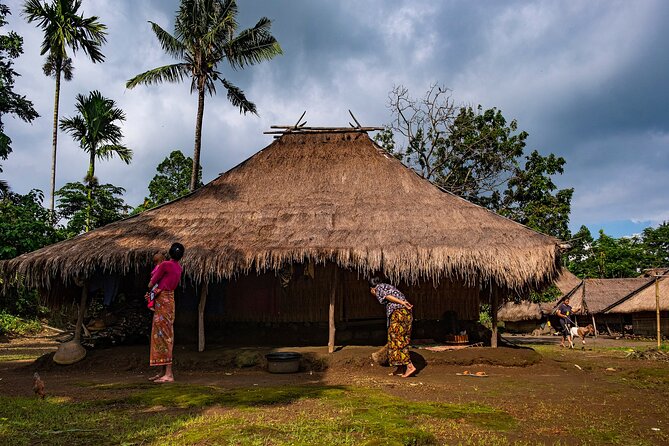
643, 299
527, 311
519, 311
567, 281
326, 197
601, 293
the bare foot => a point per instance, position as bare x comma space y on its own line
155, 377
399, 371
410, 371
164, 379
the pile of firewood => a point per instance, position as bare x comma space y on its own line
130, 324
653, 354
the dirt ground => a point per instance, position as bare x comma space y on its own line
591, 395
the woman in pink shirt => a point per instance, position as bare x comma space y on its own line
167, 276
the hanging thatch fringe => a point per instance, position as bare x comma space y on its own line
321, 197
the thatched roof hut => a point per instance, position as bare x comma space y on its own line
327, 197
643, 299
526, 311
595, 295
312, 196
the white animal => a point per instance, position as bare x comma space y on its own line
580, 332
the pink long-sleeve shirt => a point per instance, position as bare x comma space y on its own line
167, 275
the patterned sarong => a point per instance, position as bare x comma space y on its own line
399, 337
162, 331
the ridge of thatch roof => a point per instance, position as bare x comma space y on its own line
601, 293
643, 298
325, 197
567, 281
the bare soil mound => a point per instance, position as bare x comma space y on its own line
135, 358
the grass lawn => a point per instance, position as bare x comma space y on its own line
190, 414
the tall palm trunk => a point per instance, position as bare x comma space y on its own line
54, 138
198, 138
91, 180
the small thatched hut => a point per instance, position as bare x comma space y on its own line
525, 316
641, 305
289, 235
593, 296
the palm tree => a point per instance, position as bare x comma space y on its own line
95, 129
63, 28
204, 35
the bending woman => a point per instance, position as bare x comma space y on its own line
167, 276
400, 317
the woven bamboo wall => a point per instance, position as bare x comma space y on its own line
645, 324
302, 293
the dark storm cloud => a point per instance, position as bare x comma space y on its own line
587, 80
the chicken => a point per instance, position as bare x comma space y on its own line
38, 386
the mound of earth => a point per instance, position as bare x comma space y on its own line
131, 358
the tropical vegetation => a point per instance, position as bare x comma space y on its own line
205, 35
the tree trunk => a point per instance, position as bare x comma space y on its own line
198, 139
91, 181
54, 139
82, 310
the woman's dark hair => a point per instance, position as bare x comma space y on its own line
374, 281
176, 251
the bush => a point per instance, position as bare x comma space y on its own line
15, 326
19, 300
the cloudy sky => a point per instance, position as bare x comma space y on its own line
586, 79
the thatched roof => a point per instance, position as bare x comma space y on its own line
519, 311
643, 299
525, 310
601, 293
567, 281
324, 196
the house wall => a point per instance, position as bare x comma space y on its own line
292, 306
522, 326
645, 323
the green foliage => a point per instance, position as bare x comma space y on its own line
63, 27
476, 154
24, 224
19, 300
91, 208
11, 103
531, 197
549, 295
97, 133
171, 182
485, 318
246, 416
656, 241
11, 325
609, 257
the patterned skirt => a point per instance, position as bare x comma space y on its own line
162, 331
399, 337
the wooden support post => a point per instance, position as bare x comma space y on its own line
594, 324
82, 310
493, 314
657, 311
331, 312
200, 316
